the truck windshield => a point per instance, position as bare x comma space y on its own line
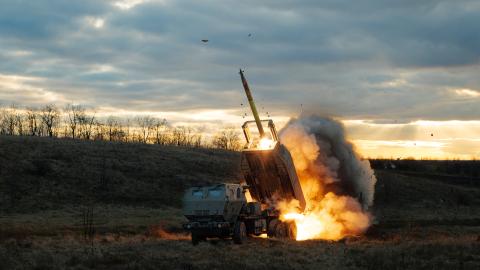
215, 193
197, 193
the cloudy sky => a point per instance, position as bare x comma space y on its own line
395, 72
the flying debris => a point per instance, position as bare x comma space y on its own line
204, 40
249, 34
431, 134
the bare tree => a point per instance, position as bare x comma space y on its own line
100, 131
74, 114
2, 128
185, 136
18, 118
9, 120
33, 122
197, 140
127, 130
50, 116
79, 124
179, 137
86, 124
189, 136
220, 141
114, 129
146, 126
111, 126
3, 122
227, 139
161, 135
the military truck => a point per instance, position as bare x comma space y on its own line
222, 210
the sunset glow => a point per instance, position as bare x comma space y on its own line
412, 94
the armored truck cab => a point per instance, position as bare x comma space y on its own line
222, 202
221, 211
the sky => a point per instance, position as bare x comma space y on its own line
403, 76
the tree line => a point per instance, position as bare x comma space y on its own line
76, 122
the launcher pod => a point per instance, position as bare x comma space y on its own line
223, 211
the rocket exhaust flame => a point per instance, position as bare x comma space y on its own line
265, 143
338, 185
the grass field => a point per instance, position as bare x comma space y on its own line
133, 193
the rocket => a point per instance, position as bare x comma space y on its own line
252, 105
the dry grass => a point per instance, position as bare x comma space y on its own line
152, 252
107, 219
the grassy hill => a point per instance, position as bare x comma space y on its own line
40, 174
44, 173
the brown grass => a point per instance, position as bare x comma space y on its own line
151, 252
156, 231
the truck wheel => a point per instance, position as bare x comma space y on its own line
239, 233
292, 230
272, 227
281, 230
196, 238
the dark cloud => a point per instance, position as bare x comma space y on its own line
353, 59
43, 19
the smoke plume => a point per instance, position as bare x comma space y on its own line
337, 184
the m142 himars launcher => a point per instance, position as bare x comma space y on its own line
266, 164
223, 211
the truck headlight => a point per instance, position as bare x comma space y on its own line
219, 225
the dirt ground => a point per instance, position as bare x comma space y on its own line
415, 248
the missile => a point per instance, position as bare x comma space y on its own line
252, 105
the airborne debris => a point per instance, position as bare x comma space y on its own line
204, 40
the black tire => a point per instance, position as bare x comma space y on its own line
272, 227
196, 238
239, 233
281, 230
292, 230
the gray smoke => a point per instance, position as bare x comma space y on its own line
334, 160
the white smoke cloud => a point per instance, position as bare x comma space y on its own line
321, 152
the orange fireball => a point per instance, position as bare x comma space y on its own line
327, 216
